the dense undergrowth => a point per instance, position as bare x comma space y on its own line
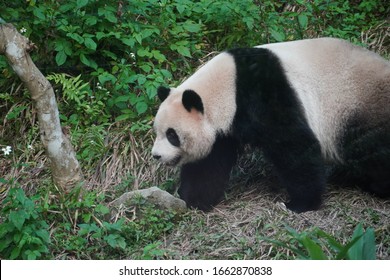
105, 60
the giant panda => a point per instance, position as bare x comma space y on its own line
308, 104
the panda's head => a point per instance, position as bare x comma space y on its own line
183, 133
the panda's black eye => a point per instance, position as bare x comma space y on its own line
172, 137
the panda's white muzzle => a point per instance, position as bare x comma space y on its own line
166, 153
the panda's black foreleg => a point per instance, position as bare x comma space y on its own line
203, 182
299, 166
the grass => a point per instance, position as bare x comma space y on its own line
240, 226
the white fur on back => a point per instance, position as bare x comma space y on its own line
333, 79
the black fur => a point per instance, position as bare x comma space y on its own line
366, 152
172, 137
191, 100
269, 116
162, 93
203, 182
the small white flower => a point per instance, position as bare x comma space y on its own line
23, 30
7, 150
30, 147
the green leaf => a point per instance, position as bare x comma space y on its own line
146, 68
107, 77
249, 21
38, 12
141, 79
355, 252
61, 58
76, 37
333, 243
91, 20
99, 35
87, 61
141, 107
90, 44
17, 237
192, 27
363, 244
102, 209
123, 117
185, 51
110, 16
180, 8
121, 242
32, 255
369, 251
278, 36
128, 42
122, 98
81, 3
5, 242
159, 56
144, 53
315, 251
20, 196
111, 240
84, 229
15, 253
43, 234
17, 218
138, 37
303, 20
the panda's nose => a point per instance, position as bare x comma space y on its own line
156, 157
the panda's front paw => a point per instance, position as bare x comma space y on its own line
300, 206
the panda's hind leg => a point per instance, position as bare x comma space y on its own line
300, 168
367, 157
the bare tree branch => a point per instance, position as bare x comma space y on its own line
64, 165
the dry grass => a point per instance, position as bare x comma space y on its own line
236, 227
377, 38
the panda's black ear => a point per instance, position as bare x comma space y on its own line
162, 93
192, 100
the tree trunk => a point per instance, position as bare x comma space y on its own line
64, 165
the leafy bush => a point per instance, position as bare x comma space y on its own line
83, 229
23, 232
319, 245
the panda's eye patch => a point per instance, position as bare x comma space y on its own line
172, 137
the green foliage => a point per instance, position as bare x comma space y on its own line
23, 232
78, 98
124, 50
151, 224
152, 252
83, 228
364, 248
319, 245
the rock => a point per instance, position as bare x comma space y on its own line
162, 199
